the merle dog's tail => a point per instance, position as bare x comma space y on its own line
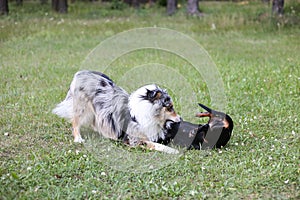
65, 108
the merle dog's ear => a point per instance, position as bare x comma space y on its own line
153, 95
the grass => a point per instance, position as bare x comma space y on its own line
256, 55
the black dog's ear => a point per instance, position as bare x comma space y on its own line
210, 112
205, 107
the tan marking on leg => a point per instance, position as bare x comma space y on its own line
76, 130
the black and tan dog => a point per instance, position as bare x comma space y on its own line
216, 133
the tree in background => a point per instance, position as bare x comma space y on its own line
60, 6
19, 2
4, 7
193, 8
171, 6
277, 7
43, 2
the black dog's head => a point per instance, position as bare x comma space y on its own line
218, 120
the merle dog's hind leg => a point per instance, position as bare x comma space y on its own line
76, 130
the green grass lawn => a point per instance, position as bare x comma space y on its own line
256, 55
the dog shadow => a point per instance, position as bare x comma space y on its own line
121, 157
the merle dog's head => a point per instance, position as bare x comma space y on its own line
152, 108
150, 101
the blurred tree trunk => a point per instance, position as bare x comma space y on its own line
4, 7
277, 7
60, 6
171, 6
266, 1
43, 2
19, 2
193, 8
135, 3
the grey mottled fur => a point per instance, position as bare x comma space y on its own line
99, 103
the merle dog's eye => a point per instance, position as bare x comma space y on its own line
170, 108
